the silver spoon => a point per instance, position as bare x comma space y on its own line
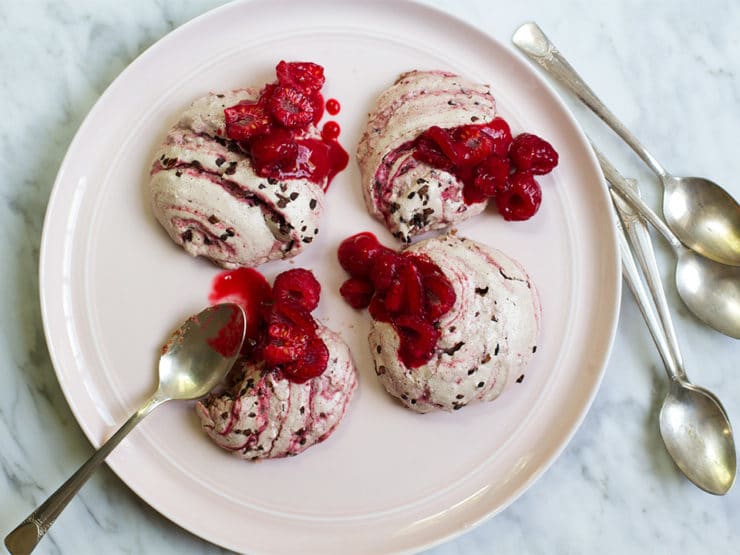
701, 214
709, 289
194, 360
693, 423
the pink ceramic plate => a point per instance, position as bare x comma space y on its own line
113, 286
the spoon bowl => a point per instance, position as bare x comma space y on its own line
698, 436
704, 217
710, 290
200, 353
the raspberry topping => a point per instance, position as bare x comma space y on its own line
491, 175
484, 157
291, 107
418, 340
304, 76
530, 152
472, 145
408, 291
299, 287
246, 121
521, 197
280, 328
357, 292
357, 253
276, 130
500, 132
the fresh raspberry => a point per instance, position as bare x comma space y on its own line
377, 309
521, 197
393, 298
274, 153
491, 175
473, 195
291, 107
384, 270
290, 315
440, 296
244, 121
299, 287
311, 364
439, 293
444, 141
418, 339
500, 132
357, 292
317, 105
304, 76
428, 152
531, 153
281, 351
471, 145
357, 253
413, 298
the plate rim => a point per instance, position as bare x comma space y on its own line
614, 304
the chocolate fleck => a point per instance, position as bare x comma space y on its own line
495, 352
187, 236
456, 347
520, 379
482, 291
213, 219
220, 160
312, 204
534, 349
481, 384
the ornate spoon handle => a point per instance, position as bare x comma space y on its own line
24, 538
643, 249
530, 39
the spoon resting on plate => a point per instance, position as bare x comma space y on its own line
195, 359
700, 213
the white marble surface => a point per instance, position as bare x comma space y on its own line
670, 69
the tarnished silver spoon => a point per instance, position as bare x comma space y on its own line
195, 359
693, 423
700, 213
709, 289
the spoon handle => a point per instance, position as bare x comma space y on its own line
642, 246
530, 39
624, 189
632, 276
28, 533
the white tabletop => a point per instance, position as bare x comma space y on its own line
670, 70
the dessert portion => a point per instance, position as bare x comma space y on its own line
434, 152
454, 321
240, 178
295, 378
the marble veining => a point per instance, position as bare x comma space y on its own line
670, 70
